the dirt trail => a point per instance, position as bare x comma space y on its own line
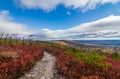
44, 69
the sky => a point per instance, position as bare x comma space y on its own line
61, 19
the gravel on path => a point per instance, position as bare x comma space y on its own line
44, 69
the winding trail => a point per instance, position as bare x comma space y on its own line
44, 69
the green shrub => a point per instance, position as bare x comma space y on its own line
93, 58
115, 56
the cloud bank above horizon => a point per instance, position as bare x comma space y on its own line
49, 5
8, 25
108, 27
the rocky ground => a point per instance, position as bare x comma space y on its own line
44, 69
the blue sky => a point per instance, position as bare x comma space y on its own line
58, 19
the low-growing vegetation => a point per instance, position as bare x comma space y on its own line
115, 56
78, 64
92, 57
16, 60
17, 56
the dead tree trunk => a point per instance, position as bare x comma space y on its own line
16, 40
1, 36
6, 37
30, 39
23, 40
10, 41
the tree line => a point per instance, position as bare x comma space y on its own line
6, 37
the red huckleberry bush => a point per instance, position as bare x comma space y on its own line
11, 67
69, 68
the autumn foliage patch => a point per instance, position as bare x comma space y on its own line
16, 60
69, 68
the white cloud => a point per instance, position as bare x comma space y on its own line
104, 28
4, 12
108, 27
49, 5
68, 13
7, 24
46, 5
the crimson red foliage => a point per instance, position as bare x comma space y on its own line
13, 68
115, 63
69, 68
